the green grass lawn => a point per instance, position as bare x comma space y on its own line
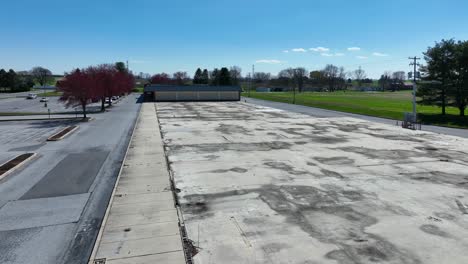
48, 94
381, 104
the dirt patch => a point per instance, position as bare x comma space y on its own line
4, 168
62, 133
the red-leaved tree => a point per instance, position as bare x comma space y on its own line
77, 89
94, 83
161, 78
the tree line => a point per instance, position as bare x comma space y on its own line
444, 78
216, 77
331, 78
11, 81
83, 86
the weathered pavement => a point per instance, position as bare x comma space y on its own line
142, 225
51, 209
262, 185
319, 112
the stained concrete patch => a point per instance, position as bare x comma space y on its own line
72, 175
434, 230
42, 212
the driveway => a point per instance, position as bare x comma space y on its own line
51, 210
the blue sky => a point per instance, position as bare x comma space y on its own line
156, 36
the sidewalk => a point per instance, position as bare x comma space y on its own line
141, 223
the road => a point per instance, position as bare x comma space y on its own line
318, 112
51, 210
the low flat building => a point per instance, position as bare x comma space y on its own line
164, 93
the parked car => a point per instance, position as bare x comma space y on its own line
32, 96
114, 98
43, 99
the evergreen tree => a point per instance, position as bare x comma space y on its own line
439, 72
198, 78
224, 77
214, 77
205, 79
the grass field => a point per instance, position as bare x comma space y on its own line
381, 104
51, 93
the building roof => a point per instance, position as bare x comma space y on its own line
191, 88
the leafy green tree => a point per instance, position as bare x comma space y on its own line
197, 77
120, 66
10, 79
460, 90
439, 74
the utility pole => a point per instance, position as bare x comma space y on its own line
127, 65
414, 63
253, 74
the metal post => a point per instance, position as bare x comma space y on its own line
414, 64
48, 110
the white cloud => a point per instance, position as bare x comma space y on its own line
378, 54
285, 51
332, 54
269, 61
361, 57
298, 50
320, 49
354, 48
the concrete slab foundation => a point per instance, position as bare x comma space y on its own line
261, 185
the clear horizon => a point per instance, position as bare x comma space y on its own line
157, 36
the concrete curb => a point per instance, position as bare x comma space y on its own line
40, 119
106, 215
62, 137
17, 167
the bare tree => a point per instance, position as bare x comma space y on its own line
359, 75
385, 80
299, 75
331, 74
286, 73
399, 75
41, 75
261, 77
180, 77
236, 74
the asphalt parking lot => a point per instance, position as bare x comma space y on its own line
23, 105
51, 209
262, 185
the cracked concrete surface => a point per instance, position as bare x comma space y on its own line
262, 185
